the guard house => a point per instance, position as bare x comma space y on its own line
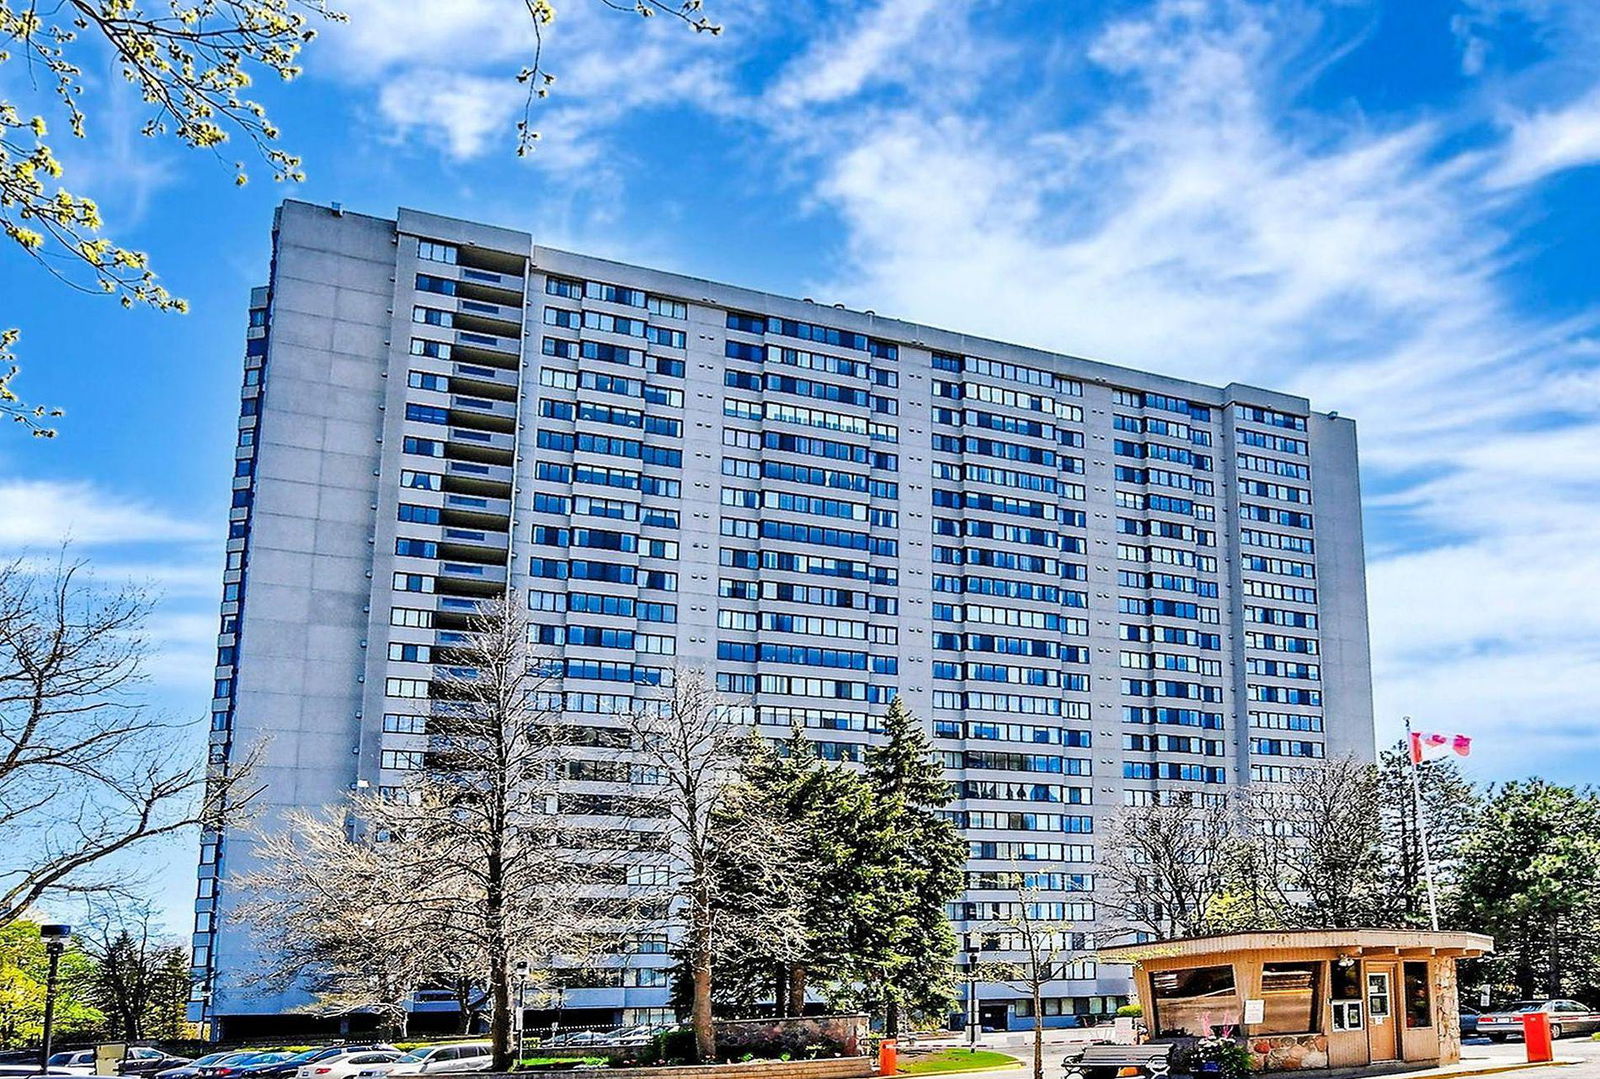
1307, 999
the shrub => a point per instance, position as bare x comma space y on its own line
674, 1046
1222, 1058
1134, 1011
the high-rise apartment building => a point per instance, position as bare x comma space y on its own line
1094, 584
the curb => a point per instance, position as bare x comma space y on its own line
1499, 1068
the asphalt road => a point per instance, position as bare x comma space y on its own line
1475, 1054
1584, 1051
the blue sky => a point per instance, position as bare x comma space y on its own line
1387, 206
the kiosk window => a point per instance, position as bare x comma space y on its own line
1290, 993
1419, 1005
1195, 1001
1344, 988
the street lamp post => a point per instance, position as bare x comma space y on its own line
55, 939
972, 992
520, 1016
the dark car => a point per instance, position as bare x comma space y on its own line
147, 1060
290, 1066
194, 1069
233, 1065
1469, 1020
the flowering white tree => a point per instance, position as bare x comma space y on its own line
1168, 864
460, 872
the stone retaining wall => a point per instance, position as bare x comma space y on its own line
1288, 1052
829, 1068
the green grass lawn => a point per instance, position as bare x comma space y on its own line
955, 1060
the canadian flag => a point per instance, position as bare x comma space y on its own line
1425, 747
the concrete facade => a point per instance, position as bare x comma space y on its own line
1097, 585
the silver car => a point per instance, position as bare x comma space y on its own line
1566, 1017
434, 1060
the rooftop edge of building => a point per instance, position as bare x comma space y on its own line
900, 331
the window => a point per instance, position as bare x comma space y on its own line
1290, 992
1418, 998
1195, 1000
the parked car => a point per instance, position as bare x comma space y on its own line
195, 1068
234, 1065
1469, 1020
461, 1057
31, 1071
148, 1060
323, 1062
346, 1065
1566, 1017
73, 1062
291, 1067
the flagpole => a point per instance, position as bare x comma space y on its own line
1422, 828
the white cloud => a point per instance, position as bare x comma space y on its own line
856, 56
381, 36
1550, 141
1178, 207
447, 75
462, 115
1193, 224
43, 513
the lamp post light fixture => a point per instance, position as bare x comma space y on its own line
519, 1017
971, 948
55, 939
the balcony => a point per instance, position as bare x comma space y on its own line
474, 545
476, 478
496, 382
483, 413
470, 579
486, 447
473, 512
501, 289
509, 345
492, 318
455, 612
485, 357
512, 263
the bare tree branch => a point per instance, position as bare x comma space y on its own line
86, 772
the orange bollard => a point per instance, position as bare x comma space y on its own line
1536, 1036
888, 1057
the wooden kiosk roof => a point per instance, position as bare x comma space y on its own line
1372, 943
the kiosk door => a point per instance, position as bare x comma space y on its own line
1383, 1030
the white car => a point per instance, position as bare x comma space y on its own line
347, 1065
76, 1062
435, 1060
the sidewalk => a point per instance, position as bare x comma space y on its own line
1574, 1059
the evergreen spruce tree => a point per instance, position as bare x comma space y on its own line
1451, 808
1527, 878
915, 868
787, 938
764, 908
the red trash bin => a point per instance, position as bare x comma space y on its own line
1536, 1036
888, 1057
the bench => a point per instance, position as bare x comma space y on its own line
1108, 1061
